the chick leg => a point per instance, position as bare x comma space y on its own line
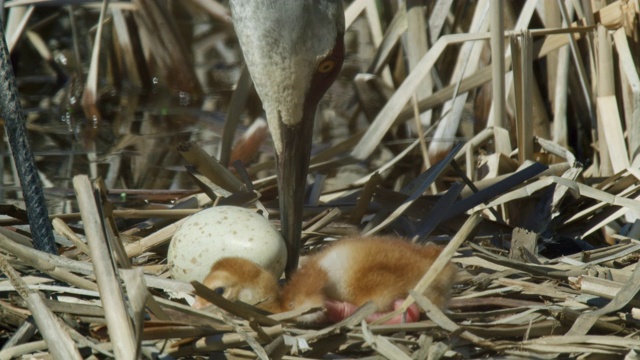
337, 311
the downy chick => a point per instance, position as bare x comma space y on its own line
343, 275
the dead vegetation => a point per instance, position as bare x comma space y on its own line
532, 183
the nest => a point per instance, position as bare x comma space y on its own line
535, 200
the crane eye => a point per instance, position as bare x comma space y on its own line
326, 65
219, 290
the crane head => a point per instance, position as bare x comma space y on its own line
294, 50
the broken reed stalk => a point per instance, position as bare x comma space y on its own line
521, 49
210, 167
497, 62
111, 293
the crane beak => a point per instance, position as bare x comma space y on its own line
292, 168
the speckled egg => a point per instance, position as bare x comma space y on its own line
224, 231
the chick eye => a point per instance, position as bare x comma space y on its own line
219, 290
326, 66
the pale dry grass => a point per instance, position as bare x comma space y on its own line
532, 183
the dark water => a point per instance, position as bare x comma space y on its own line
129, 136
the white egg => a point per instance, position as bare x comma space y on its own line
224, 231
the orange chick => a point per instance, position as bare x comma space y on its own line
240, 279
341, 277
381, 269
